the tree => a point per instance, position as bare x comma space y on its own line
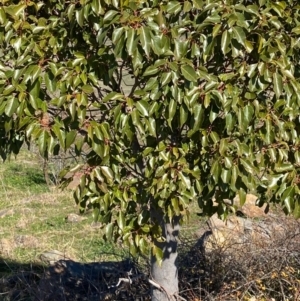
171, 101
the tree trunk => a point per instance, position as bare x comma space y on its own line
166, 275
45, 171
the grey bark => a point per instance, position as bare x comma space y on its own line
166, 275
46, 174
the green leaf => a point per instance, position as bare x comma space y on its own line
184, 113
214, 136
198, 117
79, 14
70, 138
165, 78
288, 198
11, 106
223, 147
239, 35
225, 41
108, 173
216, 30
242, 196
109, 16
296, 30
151, 84
143, 107
109, 231
181, 48
249, 167
226, 175
50, 82
143, 245
277, 83
158, 253
284, 167
175, 205
145, 39
38, 29
113, 96
249, 46
87, 89
296, 212
70, 11
42, 141
60, 134
15, 10
234, 177
216, 171
35, 73
288, 73
185, 180
130, 40
151, 70
171, 111
8, 90
96, 7
151, 124
118, 32
34, 94
121, 220
104, 127
189, 73
2, 16
174, 7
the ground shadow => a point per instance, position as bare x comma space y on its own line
17, 280
192, 263
67, 280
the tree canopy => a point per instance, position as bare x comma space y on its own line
171, 101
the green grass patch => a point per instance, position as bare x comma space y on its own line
19, 176
35, 219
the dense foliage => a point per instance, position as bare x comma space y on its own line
166, 101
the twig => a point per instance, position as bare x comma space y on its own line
152, 282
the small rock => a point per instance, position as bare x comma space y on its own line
236, 230
226, 232
53, 256
74, 218
250, 209
26, 241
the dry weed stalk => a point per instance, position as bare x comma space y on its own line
262, 269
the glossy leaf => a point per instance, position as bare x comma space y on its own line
189, 73
11, 106
278, 85
225, 41
145, 39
